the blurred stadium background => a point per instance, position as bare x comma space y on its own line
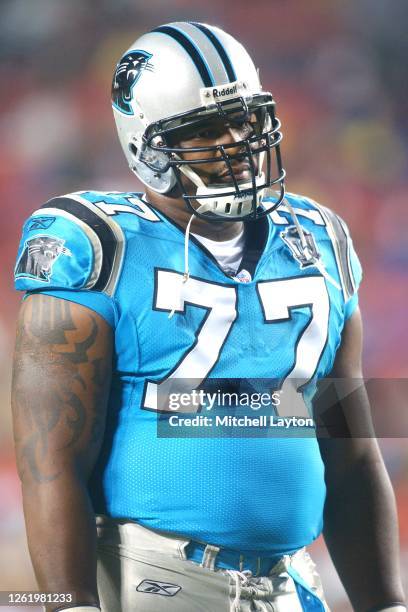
338, 71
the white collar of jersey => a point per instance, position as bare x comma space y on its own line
228, 253
221, 246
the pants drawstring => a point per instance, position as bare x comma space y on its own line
240, 580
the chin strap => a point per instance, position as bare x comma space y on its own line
217, 202
190, 174
186, 273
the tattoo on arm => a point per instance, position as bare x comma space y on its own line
60, 385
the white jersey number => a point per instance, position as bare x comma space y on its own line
195, 365
277, 299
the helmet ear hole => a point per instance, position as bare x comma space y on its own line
133, 149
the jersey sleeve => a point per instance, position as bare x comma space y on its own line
347, 262
357, 274
61, 255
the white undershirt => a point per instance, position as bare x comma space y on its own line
228, 253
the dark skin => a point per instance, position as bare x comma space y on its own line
61, 384
216, 133
360, 518
61, 381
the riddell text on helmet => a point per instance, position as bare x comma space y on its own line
226, 91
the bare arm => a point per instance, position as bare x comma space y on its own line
61, 382
361, 529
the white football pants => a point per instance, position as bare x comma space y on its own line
140, 570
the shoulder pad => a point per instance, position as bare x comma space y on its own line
118, 203
301, 207
69, 244
348, 264
335, 232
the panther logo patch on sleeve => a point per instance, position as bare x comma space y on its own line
38, 257
127, 73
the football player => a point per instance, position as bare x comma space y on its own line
141, 308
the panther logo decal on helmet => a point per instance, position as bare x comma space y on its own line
127, 74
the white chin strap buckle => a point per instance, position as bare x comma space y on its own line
221, 205
231, 205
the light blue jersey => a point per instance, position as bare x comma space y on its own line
114, 253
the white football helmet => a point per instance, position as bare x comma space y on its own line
175, 79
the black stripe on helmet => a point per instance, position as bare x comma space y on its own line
229, 68
193, 51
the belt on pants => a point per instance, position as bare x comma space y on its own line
214, 557
206, 555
